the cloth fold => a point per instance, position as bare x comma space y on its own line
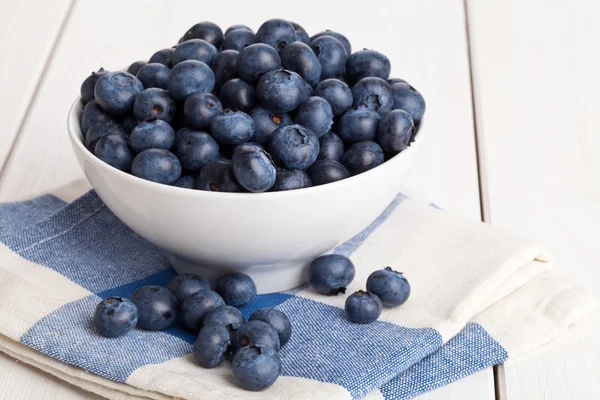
479, 296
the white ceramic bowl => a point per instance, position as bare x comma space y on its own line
270, 236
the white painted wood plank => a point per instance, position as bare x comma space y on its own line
478, 386
28, 29
536, 84
435, 62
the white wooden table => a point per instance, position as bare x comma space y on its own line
513, 129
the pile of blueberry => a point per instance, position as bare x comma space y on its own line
245, 111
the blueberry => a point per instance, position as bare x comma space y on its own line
224, 67
116, 92
238, 94
186, 182
164, 57
211, 346
327, 171
390, 286
253, 167
157, 165
357, 124
114, 150
254, 333
188, 77
277, 33
225, 316
332, 147
129, 122
93, 113
182, 132
395, 131
236, 27
343, 39
256, 60
301, 34
195, 49
330, 274
200, 108
363, 156
154, 75
366, 63
206, 30
337, 94
300, 58
115, 316
315, 114
195, 150
374, 94
217, 176
256, 367
236, 289
282, 90
294, 147
407, 98
155, 134
331, 54
135, 67
197, 305
391, 81
286, 179
185, 285
88, 85
238, 39
102, 129
157, 307
154, 103
363, 307
278, 321
232, 127
265, 123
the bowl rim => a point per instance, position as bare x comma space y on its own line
76, 136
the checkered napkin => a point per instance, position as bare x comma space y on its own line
479, 296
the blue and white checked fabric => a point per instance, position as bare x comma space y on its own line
479, 297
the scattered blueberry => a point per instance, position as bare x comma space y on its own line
93, 113
197, 305
155, 134
256, 367
195, 150
253, 167
195, 49
277, 33
154, 103
407, 98
135, 67
185, 285
200, 108
278, 321
286, 179
188, 77
238, 26
363, 156
154, 75
358, 124
327, 171
254, 333
157, 165
157, 307
331, 54
332, 147
224, 67
115, 316
164, 57
301, 34
282, 90
186, 182
330, 274
256, 60
366, 63
211, 345
315, 114
395, 131
236, 289
337, 94
226, 316
217, 176
88, 85
232, 127
116, 92
238, 39
374, 94
207, 31
114, 150
238, 94
294, 147
343, 39
300, 58
265, 123
363, 307
390, 286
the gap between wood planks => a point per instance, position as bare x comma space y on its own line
63, 25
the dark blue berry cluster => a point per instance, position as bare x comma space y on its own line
250, 112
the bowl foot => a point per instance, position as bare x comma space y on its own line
268, 278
